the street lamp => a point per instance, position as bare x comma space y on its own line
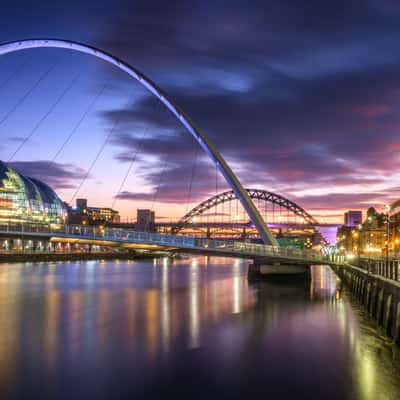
359, 226
353, 236
387, 220
356, 234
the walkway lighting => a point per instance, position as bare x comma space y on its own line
387, 220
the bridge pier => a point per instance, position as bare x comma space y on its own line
262, 270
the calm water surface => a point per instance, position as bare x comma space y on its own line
192, 328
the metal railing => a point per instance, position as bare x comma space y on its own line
388, 268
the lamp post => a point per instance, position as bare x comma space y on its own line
353, 236
356, 234
359, 226
387, 220
395, 246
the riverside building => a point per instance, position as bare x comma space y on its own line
26, 200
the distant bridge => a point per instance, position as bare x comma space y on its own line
254, 194
212, 219
128, 239
232, 224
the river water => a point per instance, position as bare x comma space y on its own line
192, 327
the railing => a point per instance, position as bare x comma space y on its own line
385, 267
122, 235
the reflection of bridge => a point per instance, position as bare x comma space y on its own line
121, 238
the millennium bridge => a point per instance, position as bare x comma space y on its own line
134, 240
130, 239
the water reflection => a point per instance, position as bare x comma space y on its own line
137, 322
194, 304
165, 328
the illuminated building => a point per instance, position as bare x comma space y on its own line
352, 218
344, 239
373, 233
145, 220
28, 200
394, 227
82, 214
81, 204
365, 238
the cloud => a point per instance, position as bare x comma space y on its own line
279, 152
56, 175
302, 97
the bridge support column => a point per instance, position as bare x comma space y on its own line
262, 270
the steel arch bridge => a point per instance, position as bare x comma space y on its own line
254, 194
182, 117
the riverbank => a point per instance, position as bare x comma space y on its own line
378, 295
38, 257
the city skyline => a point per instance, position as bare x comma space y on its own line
294, 108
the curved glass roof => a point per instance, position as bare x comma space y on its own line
3, 170
28, 200
48, 194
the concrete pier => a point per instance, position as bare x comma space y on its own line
261, 270
38, 257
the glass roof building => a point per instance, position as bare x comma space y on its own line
28, 200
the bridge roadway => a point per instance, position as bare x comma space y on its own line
130, 239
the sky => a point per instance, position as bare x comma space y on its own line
300, 97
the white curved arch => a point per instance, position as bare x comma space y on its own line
203, 141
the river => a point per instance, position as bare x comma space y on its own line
190, 327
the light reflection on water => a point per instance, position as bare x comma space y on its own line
152, 327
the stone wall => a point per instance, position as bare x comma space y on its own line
379, 296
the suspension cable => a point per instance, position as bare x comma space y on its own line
216, 191
15, 72
78, 124
194, 165
216, 180
230, 211
132, 161
25, 96
45, 116
156, 193
102, 147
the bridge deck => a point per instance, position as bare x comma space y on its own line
134, 239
